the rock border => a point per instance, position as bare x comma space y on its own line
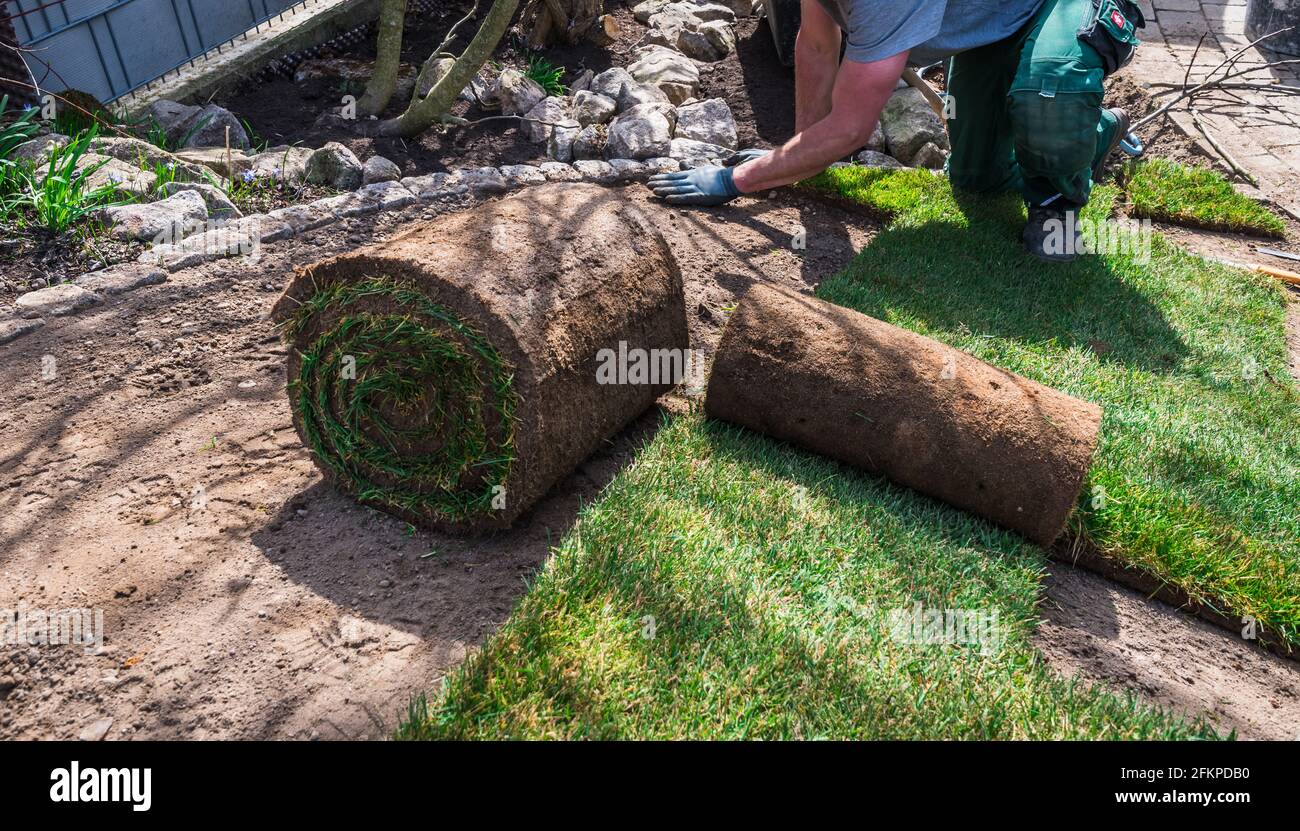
244, 237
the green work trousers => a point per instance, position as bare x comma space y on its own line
1025, 113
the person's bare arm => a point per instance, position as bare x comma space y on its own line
860, 92
816, 57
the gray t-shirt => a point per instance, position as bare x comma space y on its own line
932, 29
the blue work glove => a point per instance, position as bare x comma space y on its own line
708, 185
742, 156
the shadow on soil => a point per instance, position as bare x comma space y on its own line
428, 583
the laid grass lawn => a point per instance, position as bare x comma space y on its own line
1197, 475
725, 585
1171, 192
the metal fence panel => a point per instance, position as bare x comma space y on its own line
109, 47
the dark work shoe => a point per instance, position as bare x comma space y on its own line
1052, 234
1116, 125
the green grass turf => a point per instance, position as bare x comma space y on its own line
728, 586
1197, 475
1170, 192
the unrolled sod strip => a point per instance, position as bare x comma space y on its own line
450, 375
892, 402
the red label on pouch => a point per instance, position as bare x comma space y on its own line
1117, 19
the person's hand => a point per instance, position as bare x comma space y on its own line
706, 186
742, 156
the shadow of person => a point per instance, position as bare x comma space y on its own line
969, 272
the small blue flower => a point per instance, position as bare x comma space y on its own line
249, 175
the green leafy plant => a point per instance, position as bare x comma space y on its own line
14, 133
255, 139
546, 74
156, 134
164, 175
64, 196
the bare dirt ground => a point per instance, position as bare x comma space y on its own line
157, 476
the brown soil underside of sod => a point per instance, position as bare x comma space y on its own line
905, 406
285, 610
550, 276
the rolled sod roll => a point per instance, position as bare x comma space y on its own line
449, 375
905, 406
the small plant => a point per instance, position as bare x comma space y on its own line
257, 141
14, 133
546, 74
164, 175
63, 196
156, 134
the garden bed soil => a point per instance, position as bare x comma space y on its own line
759, 89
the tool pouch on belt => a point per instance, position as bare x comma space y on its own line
1111, 29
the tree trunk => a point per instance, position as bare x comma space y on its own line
392, 17
422, 113
547, 21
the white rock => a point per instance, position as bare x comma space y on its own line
170, 218
517, 93
672, 72
554, 109
634, 93
219, 204
38, 149
594, 170
627, 170
873, 158
909, 123
121, 278
709, 121
642, 132
930, 156
518, 175
379, 169
590, 142
560, 145
96, 731
559, 172
593, 108
334, 165
55, 301
721, 36
662, 164
610, 82
693, 153
707, 12
434, 185
483, 180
